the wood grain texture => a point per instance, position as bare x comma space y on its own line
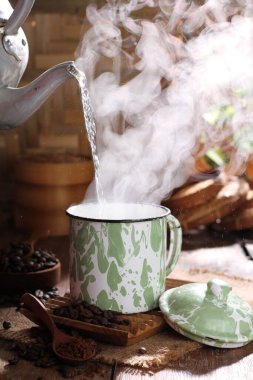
53, 37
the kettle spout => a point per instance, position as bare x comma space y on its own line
18, 104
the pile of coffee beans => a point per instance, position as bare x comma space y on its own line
81, 311
39, 350
41, 354
21, 258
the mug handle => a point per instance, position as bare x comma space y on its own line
175, 243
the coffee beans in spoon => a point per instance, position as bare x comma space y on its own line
22, 258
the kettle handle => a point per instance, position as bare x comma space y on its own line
18, 16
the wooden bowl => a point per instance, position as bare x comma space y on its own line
45, 279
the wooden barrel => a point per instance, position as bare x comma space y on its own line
47, 198
46, 185
54, 170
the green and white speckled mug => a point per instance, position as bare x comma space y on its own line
118, 255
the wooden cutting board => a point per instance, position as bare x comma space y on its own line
141, 325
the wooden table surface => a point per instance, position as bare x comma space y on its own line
205, 363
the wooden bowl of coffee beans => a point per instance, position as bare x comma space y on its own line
24, 268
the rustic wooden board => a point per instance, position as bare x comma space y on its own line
141, 326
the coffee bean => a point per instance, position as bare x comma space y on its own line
108, 314
6, 325
125, 322
22, 353
101, 320
49, 264
52, 294
95, 310
74, 314
47, 255
37, 267
59, 312
142, 350
37, 254
86, 313
39, 293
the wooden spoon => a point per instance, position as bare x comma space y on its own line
69, 349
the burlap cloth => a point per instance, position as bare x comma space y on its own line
161, 349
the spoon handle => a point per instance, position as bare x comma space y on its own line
39, 310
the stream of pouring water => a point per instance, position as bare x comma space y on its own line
90, 125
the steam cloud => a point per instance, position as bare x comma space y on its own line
163, 82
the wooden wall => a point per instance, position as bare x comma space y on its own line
53, 35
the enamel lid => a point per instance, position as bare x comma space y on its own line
209, 313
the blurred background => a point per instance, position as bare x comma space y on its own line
53, 141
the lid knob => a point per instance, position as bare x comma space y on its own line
217, 292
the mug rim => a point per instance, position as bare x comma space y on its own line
126, 220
